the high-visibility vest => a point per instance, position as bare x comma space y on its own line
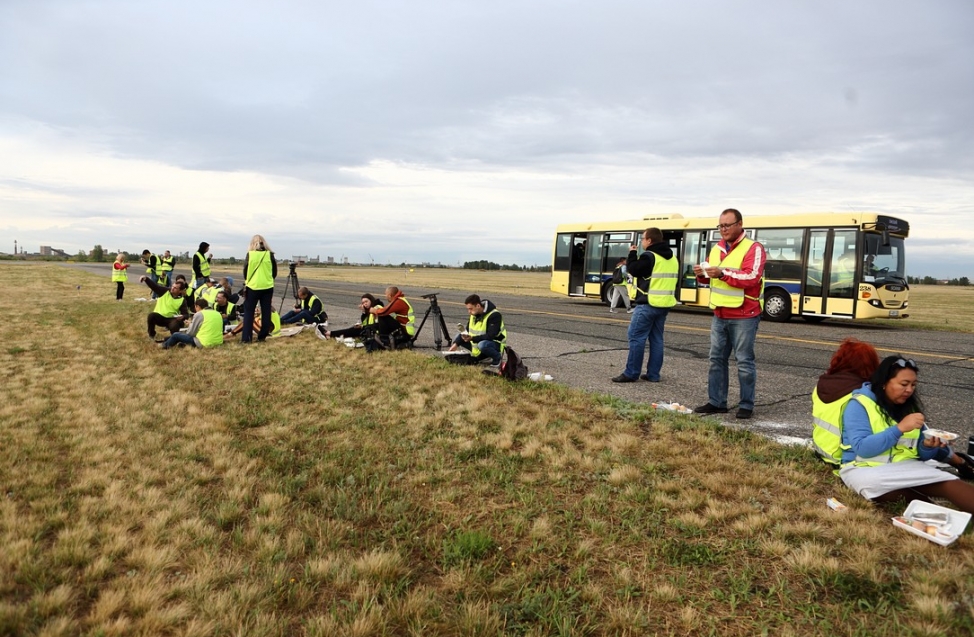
827, 427
904, 449
119, 275
477, 326
148, 268
211, 331
311, 301
167, 306
260, 270
410, 324
228, 310
208, 293
275, 323
660, 286
722, 294
166, 264
204, 264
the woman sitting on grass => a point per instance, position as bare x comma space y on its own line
885, 449
367, 303
851, 366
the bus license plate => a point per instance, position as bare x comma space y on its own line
894, 312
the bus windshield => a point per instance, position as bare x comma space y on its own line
883, 263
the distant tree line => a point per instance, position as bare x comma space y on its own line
490, 265
929, 280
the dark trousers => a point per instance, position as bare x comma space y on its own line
265, 298
119, 290
155, 320
388, 325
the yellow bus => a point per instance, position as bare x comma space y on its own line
820, 265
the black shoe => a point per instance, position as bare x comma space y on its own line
744, 413
710, 409
622, 378
646, 377
966, 470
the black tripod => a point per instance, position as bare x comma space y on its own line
439, 325
291, 284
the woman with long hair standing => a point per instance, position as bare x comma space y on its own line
119, 275
260, 270
885, 445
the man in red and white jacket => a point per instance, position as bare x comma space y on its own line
735, 273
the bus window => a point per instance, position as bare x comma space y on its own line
816, 263
692, 255
563, 250
784, 249
882, 264
593, 259
843, 265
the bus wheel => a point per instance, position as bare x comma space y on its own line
606, 291
777, 306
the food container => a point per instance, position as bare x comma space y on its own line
677, 407
927, 520
835, 505
945, 436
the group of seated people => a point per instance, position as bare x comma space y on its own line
868, 422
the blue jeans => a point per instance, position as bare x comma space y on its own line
155, 279
488, 349
296, 316
646, 324
732, 336
179, 338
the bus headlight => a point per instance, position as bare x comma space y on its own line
876, 303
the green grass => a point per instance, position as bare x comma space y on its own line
304, 488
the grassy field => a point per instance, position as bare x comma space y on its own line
303, 488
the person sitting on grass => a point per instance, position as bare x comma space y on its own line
486, 335
886, 447
207, 291
226, 284
226, 309
366, 304
851, 366
308, 309
171, 309
395, 320
275, 323
205, 330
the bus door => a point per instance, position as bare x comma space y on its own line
830, 273
615, 246
576, 265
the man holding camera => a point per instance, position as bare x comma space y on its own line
486, 335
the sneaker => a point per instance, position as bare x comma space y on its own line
612, 311
710, 409
743, 413
322, 333
622, 378
646, 377
629, 311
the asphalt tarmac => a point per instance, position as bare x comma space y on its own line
580, 344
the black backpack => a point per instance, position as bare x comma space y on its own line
513, 368
617, 277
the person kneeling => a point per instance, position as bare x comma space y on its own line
486, 335
308, 309
205, 330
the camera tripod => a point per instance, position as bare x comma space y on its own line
291, 284
439, 325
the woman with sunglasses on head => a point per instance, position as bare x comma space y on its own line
366, 304
885, 450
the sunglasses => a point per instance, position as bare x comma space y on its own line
907, 362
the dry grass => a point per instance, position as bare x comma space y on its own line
300, 488
940, 307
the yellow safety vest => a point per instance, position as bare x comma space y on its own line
149, 269
211, 331
410, 325
904, 449
477, 326
167, 306
204, 264
827, 427
119, 275
208, 293
166, 264
722, 294
275, 323
311, 301
260, 270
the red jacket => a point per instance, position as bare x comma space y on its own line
749, 278
396, 306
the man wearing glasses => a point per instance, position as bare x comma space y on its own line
735, 272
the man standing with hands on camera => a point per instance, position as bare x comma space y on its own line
654, 276
735, 272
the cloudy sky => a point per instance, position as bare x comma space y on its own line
447, 131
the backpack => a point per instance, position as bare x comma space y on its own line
513, 368
618, 278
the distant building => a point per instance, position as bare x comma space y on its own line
46, 251
330, 260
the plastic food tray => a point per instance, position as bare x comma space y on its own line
957, 521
